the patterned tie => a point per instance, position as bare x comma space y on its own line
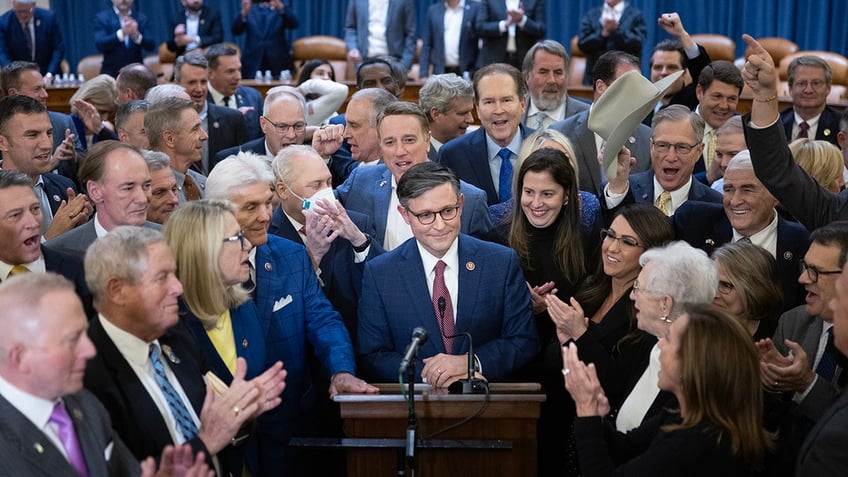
190, 188
68, 436
803, 128
440, 290
744, 240
711, 145
827, 365
185, 424
664, 202
18, 269
540, 117
505, 179
28, 38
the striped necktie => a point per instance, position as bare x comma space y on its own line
185, 424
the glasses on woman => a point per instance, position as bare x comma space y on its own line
427, 218
813, 272
623, 240
725, 287
239, 237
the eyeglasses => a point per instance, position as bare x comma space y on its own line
239, 237
637, 288
725, 288
283, 128
622, 240
813, 272
427, 218
662, 147
815, 84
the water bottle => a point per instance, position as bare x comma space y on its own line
258, 76
285, 76
268, 77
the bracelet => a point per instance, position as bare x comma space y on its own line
767, 100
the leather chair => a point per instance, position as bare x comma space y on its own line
719, 47
576, 65
837, 62
327, 48
90, 66
778, 48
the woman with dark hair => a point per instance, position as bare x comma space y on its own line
748, 287
710, 365
317, 83
316, 69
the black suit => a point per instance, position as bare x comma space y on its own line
72, 268
687, 95
495, 41
135, 416
826, 130
226, 129
433, 40
823, 453
209, 28
706, 226
629, 36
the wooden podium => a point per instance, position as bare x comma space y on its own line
500, 441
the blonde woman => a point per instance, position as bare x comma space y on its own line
821, 160
91, 107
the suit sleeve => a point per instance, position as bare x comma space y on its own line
799, 193
104, 35
590, 39
410, 40
536, 24
216, 30
480, 225
518, 341
485, 25
426, 45
5, 55
350, 26
630, 35
376, 348
57, 46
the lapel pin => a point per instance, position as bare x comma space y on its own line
216, 125
77, 413
56, 198
39, 448
244, 343
787, 255
382, 183
826, 132
268, 267
202, 21
170, 354
631, 140
38, 23
470, 266
710, 242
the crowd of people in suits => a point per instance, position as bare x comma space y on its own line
196, 281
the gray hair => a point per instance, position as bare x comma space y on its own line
424, 177
13, 178
162, 92
440, 91
156, 160
122, 253
128, 109
276, 93
191, 59
551, 46
681, 271
741, 161
241, 169
20, 300
812, 61
732, 126
379, 99
162, 116
678, 112
282, 164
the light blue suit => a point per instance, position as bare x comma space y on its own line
493, 305
368, 190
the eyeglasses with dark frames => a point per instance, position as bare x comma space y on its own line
239, 237
625, 240
427, 218
813, 272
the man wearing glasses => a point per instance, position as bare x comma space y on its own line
404, 140
675, 148
809, 117
494, 306
801, 360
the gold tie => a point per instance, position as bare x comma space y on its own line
190, 188
664, 202
708, 157
18, 269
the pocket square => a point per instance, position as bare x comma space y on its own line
282, 302
107, 453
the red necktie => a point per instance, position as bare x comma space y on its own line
804, 127
444, 316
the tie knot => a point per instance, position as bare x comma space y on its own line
440, 267
60, 416
504, 154
154, 352
18, 269
804, 125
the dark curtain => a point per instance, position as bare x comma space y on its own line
813, 24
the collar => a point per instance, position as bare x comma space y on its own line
678, 197
38, 265
297, 225
118, 13
762, 237
451, 257
204, 112
135, 350
514, 146
554, 114
812, 122
99, 229
217, 97
34, 408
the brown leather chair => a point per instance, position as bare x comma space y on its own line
719, 47
837, 62
576, 65
90, 66
327, 48
778, 48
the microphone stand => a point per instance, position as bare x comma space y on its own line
470, 385
412, 424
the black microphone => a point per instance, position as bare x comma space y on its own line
470, 385
419, 337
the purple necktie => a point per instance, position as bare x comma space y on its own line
68, 437
445, 316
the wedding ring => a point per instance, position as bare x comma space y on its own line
236, 410
565, 371
71, 216
440, 371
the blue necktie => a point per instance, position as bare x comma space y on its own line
827, 364
185, 424
505, 179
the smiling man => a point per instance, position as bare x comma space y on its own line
810, 79
718, 90
162, 195
404, 141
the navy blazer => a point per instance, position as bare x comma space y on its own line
56, 187
248, 97
433, 40
493, 305
495, 41
800, 194
73, 269
468, 157
576, 129
706, 226
341, 278
135, 416
226, 129
256, 146
105, 134
631, 33
209, 28
642, 190
827, 129
369, 190
49, 46
266, 46
116, 54
400, 29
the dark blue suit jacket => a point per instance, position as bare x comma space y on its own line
400, 29
256, 146
368, 190
468, 156
266, 46
494, 42
433, 36
294, 314
247, 96
56, 187
493, 305
72, 268
116, 54
226, 129
105, 134
629, 36
341, 277
642, 190
341, 162
706, 226
209, 28
827, 129
49, 46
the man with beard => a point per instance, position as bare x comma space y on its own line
545, 71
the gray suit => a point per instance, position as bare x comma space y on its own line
823, 453
76, 241
25, 450
576, 129
572, 107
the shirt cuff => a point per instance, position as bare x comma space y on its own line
502, 26
798, 397
693, 51
359, 257
120, 34
522, 22
612, 199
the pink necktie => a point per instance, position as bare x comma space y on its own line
68, 436
445, 316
